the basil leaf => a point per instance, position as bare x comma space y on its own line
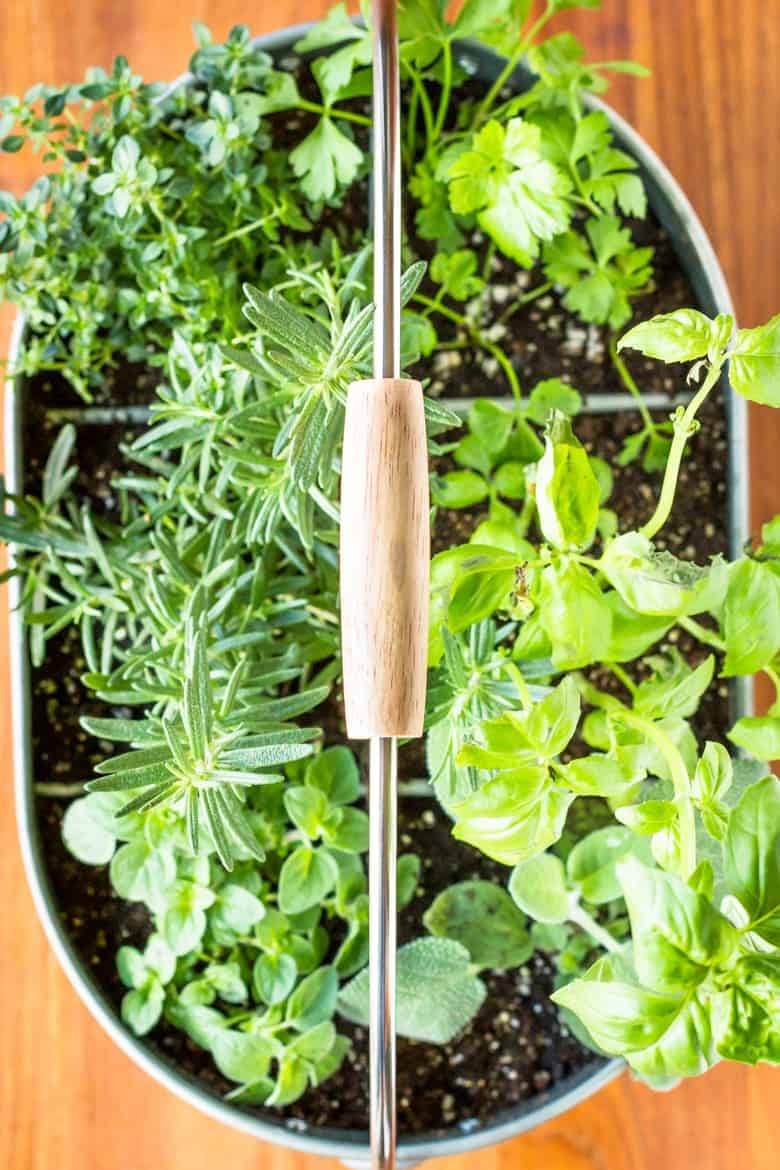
513, 816
592, 863
574, 615
754, 363
677, 934
681, 336
757, 734
567, 491
752, 856
751, 617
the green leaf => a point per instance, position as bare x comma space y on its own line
575, 616
241, 1056
714, 773
484, 586
677, 934
685, 1049
567, 491
273, 977
523, 197
408, 875
751, 617
651, 816
754, 365
490, 423
621, 1017
742, 1027
183, 921
752, 856
335, 772
592, 863
142, 1007
87, 829
459, 489
657, 583
596, 775
141, 873
324, 160
436, 992
632, 634
348, 830
307, 876
291, 1082
314, 999
538, 886
481, 917
513, 816
681, 336
239, 909
306, 807
678, 693
759, 735
456, 272
552, 395
227, 981
551, 722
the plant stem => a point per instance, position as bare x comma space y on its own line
683, 429
61, 790
629, 383
701, 633
242, 231
517, 678
680, 780
484, 107
525, 299
446, 89
477, 336
581, 917
332, 112
425, 102
623, 677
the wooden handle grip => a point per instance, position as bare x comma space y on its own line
385, 554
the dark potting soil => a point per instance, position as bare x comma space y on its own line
516, 1047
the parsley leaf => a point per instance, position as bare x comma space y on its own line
324, 160
600, 272
521, 197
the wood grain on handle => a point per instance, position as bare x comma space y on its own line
385, 553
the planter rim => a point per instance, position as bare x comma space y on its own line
350, 1146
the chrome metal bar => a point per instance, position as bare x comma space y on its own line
382, 945
383, 766
387, 192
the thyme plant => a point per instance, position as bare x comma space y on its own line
214, 234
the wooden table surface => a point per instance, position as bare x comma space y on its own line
69, 1100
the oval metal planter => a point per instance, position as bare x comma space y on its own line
698, 258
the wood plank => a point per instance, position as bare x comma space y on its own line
711, 109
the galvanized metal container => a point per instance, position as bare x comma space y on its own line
697, 257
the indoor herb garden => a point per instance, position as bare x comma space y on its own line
591, 843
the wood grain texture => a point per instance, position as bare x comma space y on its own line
385, 558
68, 1099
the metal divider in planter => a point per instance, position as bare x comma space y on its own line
697, 258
